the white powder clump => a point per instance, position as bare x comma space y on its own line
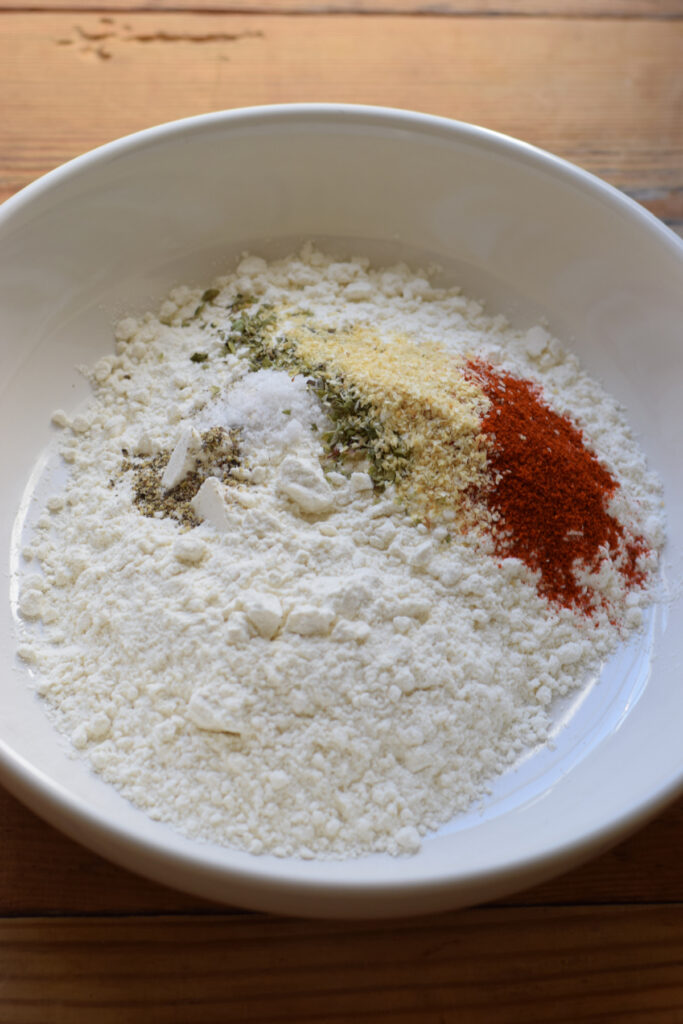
261, 646
275, 412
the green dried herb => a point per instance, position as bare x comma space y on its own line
199, 357
252, 331
357, 432
241, 301
207, 298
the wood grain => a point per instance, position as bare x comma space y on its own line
513, 965
120, 74
633, 9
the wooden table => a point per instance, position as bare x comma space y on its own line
597, 81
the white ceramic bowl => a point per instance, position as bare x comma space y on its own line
110, 232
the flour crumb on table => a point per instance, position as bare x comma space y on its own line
332, 543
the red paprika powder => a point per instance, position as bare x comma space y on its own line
548, 493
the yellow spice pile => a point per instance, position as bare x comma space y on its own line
419, 393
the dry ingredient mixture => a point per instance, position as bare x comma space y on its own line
332, 542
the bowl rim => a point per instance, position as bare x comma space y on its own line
432, 124
447, 888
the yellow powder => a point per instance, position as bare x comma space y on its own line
419, 393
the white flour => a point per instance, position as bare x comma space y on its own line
306, 671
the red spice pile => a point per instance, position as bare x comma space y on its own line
549, 492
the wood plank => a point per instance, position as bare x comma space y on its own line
526, 965
612, 102
653, 9
43, 872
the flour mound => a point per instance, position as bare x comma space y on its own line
297, 664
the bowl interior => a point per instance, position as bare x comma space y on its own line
112, 232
